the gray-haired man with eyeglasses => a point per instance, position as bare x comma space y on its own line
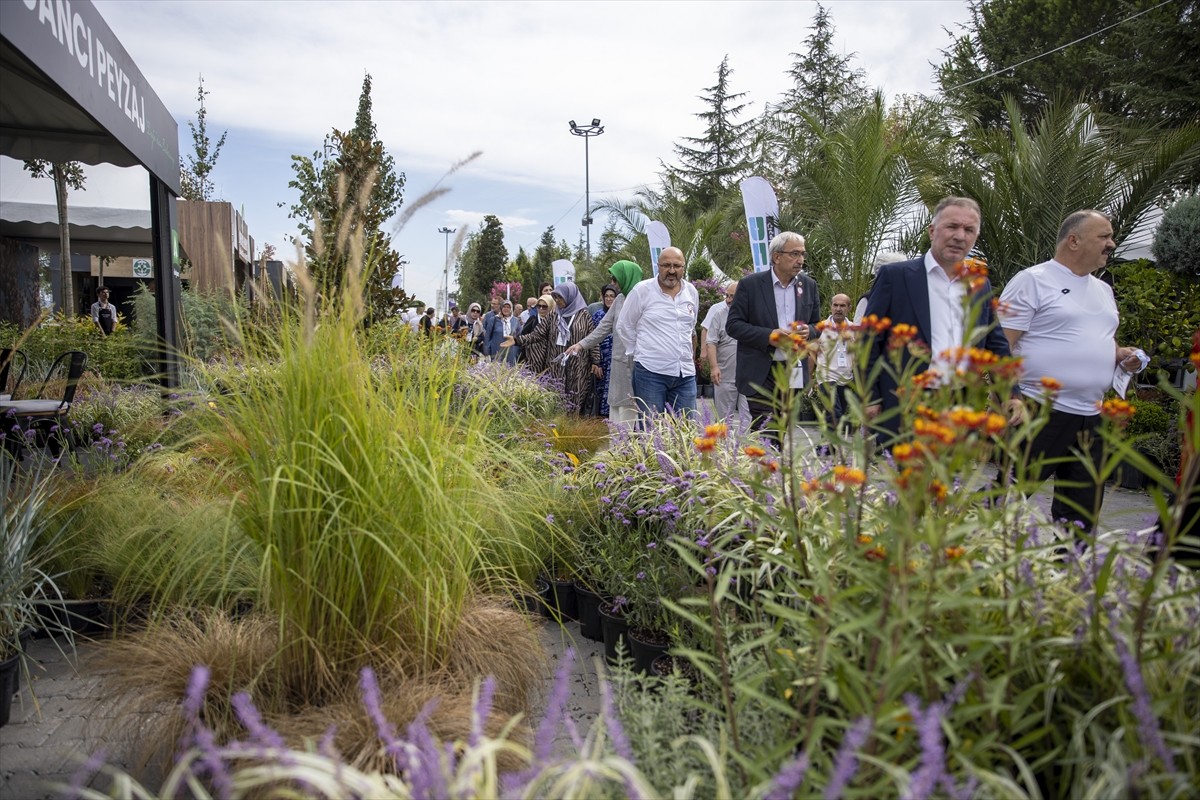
772, 302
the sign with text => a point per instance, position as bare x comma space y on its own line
762, 218
660, 239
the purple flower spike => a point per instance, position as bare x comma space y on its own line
788, 780
845, 764
251, 720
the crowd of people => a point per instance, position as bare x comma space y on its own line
634, 352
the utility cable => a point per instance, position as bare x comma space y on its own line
1055, 50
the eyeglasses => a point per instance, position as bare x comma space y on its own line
795, 253
729, 295
542, 305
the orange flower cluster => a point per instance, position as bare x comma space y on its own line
939, 490
877, 553
793, 341
1050, 385
713, 432
843, 478
935, 431
975, 270
955, 553
1117, 411
976, 362
927, 379
1195, 355
874, 324
769, 465
901, 335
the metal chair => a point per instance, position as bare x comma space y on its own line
45, 416
7, 357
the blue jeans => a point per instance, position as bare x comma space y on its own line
655, 392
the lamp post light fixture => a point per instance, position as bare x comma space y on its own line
446, 268
587, 132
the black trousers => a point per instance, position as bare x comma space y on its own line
762, 408
1066, 441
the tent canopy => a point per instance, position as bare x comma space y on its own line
97, 231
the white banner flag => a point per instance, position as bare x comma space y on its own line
762, 218
563, 271
659, 239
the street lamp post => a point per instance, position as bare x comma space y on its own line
446, 268
587, 132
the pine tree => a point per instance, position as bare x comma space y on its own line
715, 161
348, 191
543, 261
823, 82
194, 177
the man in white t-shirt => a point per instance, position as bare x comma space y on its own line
833, 364
1062, 321
721, 351
657, 324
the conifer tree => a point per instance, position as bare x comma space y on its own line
708, 165
348, 191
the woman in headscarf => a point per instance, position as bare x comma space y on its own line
575, 370
621, 406
534, 340
607, 296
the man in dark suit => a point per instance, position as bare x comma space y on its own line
768, 303
928, 293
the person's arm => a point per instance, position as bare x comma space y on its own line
601, 331
739, 326
626, 325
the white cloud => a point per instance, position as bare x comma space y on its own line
504, 78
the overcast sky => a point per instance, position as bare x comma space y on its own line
451, 78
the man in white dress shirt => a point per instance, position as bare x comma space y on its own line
657, 324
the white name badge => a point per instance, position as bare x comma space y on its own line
561, 341
797, 378
842, 360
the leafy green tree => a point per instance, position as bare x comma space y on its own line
483, 261
1028, 178
849, 198
711, 164
348, 191
543, 260
1177, 241
1132, 67
66, 175
824, 85
194, 177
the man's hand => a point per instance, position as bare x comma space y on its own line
714, 374
574, 349
597, 370
872, 411
1014, 409
1127, 359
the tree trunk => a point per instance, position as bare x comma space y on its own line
64, 240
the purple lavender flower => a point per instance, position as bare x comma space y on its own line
251, 720
933, 753
652, 546
641, 576
85, 772
549, 519
702, 542
788, 780
668, 508
600, 467
1148, 730
845, 763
